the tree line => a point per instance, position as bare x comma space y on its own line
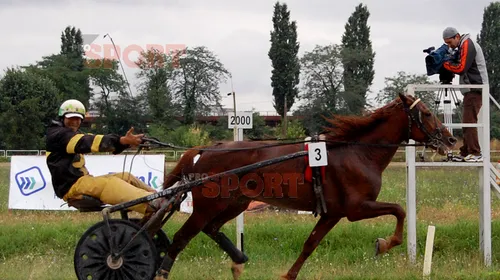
334, 78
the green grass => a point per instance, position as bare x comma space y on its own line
40, 244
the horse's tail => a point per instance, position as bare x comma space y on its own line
185, 162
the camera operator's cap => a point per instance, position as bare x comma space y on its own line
449, 32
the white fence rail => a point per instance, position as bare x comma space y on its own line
170, 155
175, 155
9, 153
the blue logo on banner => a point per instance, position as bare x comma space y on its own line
30, 181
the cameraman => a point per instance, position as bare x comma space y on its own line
471, 66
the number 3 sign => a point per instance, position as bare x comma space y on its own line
317, 154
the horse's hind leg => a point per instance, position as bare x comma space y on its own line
212, 230
195, 223
324, 225
371, 209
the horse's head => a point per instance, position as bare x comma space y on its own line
425, 127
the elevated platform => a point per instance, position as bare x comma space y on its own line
485, 169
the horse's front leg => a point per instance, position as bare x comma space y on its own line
371, 209
324, 225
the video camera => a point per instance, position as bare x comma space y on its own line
434, 63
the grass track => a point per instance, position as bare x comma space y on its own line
40, 244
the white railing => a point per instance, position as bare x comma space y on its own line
170, 155
9, 153
261, 113
484, 167
222, 113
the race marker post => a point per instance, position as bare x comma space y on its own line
238, 122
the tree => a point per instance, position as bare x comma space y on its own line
295, 131
219, 131
127, 112
57, 68
322, 73
283, 54
156, 76
184, 136
323, 92
259, 128
495, 128
489, 39
107, 80
27, 103
111, 98
72, 44
196, 82
72, 49
357, 58
67, 69
398, 83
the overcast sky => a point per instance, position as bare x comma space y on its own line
237, 32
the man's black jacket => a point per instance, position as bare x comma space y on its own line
65, 149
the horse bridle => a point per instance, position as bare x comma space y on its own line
415, 115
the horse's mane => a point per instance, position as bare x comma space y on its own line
349, 128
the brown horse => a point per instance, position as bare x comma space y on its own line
359, 149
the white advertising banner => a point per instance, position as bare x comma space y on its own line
31, 183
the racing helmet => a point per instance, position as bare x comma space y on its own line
72, 108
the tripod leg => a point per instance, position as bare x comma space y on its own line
422, 154
437, 101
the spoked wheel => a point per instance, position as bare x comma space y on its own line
93, 259
161, 242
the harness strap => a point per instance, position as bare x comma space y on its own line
318, 188
435, 137
414, 103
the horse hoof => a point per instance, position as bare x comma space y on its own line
381, 246
237, 270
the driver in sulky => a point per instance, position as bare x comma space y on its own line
66, 146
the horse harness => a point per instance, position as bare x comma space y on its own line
315, 175
415, 115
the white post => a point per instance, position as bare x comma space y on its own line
238, 136
484, 178
411, 196
429, 244
411, 202
240, 219
244, 120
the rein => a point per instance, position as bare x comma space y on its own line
413, 113
169, 145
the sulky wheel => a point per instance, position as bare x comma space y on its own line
161, 242
93, 258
